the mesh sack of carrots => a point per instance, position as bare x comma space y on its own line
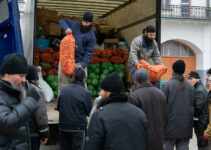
67, 54
155, 72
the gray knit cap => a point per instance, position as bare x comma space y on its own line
141, 75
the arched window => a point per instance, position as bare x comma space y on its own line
176, 49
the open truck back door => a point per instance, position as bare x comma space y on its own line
10, 32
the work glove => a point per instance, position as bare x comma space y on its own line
34, 94
79, 66
67, 31
205, 138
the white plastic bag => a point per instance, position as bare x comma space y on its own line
47, 90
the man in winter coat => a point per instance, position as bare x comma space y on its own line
84, 42
116, 124
180, 99
208, 74
144, 47
38, 124
15, 107
153, 102
74, 104
207, 133
201, 114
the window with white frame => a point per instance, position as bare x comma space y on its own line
176, 49
185, 7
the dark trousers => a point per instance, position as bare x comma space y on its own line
199, 129
73, 140
35, 143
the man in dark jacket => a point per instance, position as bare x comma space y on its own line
38, 124
116, 124
84, 42
15, 107
153, 102
180, 99
201, 114
208, 74
74, 104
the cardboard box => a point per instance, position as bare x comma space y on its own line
53, 29
110, 43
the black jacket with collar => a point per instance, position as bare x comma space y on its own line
201, 104
117, 125
74, 104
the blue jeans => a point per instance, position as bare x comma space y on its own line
71, 140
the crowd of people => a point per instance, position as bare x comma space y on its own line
148, 119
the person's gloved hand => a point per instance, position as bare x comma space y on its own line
34, 94
79, 66
204, 137
67, 31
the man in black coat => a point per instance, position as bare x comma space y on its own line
153, 102
74, 104
15, 107
180, 99
201, 114
116, 124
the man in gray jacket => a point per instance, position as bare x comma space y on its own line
144, 47
15, 107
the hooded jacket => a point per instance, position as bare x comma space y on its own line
14, 114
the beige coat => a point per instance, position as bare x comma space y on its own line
138, 52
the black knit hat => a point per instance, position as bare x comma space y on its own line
193, 74
150, 29
79, 74
14, 64
88, 17
179, 66
112, 83
209, 71
32, 73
